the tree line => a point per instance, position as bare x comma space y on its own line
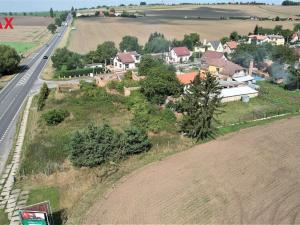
58, 20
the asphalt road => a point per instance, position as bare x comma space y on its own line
14, 94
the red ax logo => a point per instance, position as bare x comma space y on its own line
8, 23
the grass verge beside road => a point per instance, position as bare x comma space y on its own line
49, 72
3, 218
21, 47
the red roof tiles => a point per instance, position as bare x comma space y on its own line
229, 68
181, 51
213, 54
232, 44
187, 78
126, 57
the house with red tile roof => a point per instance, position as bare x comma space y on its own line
126, 60
230, 46
187, 78
295, 37
258, 39
223, 68
179, 55
213, 55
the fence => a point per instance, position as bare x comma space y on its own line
257, 116
81, 72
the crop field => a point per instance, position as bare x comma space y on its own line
92, 31
216, 11
21, 47
28, 32
248, 177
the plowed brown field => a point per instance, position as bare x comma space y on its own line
252, 176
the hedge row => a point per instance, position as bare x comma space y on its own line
79, 72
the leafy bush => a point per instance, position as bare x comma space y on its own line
97, 145
116, 85
149, 117
55, 116
94, 146
136, 141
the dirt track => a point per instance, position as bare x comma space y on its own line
251, 176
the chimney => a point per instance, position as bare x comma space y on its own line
250, 68
204, 42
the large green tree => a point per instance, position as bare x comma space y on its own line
52, 28
148, 62
106, 51
51, 12
156, 44
234, 36
293, 81
103, 54
190, 40
244, 53
66, 59
130, 43
160, 83
201, 105
283, 54
9, 60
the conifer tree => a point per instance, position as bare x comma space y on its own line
201, 105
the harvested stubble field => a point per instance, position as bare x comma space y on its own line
248, 177
28, 29
93, 31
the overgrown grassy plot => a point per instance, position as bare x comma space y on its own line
46, 147
272, 100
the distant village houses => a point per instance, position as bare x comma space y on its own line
179, 55
230, 46
126, 60
217, 64
261, 39
295, 37
214, 46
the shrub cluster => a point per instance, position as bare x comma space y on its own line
97, 145
44, 92
55, 116
148, 116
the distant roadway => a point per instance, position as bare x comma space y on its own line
14, 94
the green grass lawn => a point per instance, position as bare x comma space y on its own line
52, 195
21, 47
3, 218
272, 100
43, 194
